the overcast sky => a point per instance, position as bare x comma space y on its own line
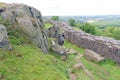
73, 7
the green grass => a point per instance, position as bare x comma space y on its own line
48, 25
29, 63
106, 70
74, 47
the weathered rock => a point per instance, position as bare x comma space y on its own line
4, 42
79, 66
54, 32
29, 21
93, 56
71, 51
61, 50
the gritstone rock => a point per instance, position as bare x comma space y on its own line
29, 21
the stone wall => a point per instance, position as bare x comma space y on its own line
106, 47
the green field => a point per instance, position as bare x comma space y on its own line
106, 23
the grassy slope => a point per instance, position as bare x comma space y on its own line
106, 70
27, 62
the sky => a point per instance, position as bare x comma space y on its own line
72, 7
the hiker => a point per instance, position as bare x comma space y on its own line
61, 39
63, 35
2, 9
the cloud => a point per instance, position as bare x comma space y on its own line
73, 7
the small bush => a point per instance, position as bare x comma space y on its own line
88, 28
55, 18
107, 61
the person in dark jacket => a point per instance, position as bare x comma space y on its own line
2, 9
61, 39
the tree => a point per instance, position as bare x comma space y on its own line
72, 22
55, 18
116, 33
88, 28
113, 32
109, 31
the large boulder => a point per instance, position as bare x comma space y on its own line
57, 33
4, 42
93, 56
61, 50
29, 21
53, 32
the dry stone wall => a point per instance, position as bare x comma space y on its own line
106, 47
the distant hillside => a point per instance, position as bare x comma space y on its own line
98, 21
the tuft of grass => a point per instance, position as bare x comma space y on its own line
74, 47
48, 25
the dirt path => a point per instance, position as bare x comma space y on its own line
72, 76
79, 64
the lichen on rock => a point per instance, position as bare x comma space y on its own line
27, 20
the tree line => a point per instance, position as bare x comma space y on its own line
110, 31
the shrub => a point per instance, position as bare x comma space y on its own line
88, 28
72, 22
55, 18
113, 32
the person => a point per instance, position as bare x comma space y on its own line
63, 35
2, 9
61, 39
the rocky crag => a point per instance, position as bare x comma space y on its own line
4, 42
27, 20
106, 47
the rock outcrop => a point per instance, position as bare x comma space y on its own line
29, 21
93, 56
61, 50
54, 32
4, 42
